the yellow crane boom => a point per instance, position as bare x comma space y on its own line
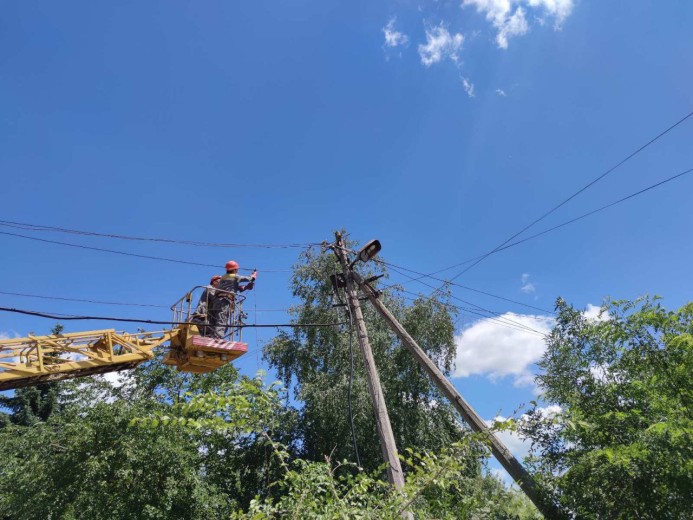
35, 359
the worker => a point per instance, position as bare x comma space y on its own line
200, 316
229, 285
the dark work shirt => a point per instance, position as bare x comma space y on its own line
231, 282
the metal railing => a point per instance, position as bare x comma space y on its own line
197, 307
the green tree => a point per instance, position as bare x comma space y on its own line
316, 363
35, 403
622, 446
438, 485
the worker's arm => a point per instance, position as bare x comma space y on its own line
250, 279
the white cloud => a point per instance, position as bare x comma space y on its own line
440, 44
116, 379
515, 25
509, 16
559, 9
468, 87
394, 38
518, 444
527, 286
594, 313
500, 347
501, 92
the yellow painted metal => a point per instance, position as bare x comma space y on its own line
31, 360
199, 359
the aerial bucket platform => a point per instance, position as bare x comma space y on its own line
36, 359
190, 350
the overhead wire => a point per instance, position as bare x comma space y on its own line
125, 253
602, 208
479, 309
70, 317
578, 192
80, 300
423, 275
545, 231
43, 227
102, 302
351, 371
494, 317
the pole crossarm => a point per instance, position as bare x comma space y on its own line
34, 359
499, 450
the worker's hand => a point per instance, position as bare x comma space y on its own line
249, 287
253, 275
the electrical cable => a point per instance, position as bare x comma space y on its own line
40, 227
490, 316
124, 253
69, 317
598, 209
588, 185
536, 235
351, 372
98, 302
101, 302
422, 275
499, 316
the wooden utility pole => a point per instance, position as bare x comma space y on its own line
499, 450
382, 419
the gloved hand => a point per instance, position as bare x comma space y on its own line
254, 275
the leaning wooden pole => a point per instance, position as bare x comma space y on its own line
499, 450
382, 419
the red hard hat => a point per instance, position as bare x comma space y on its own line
231, 264
215, 278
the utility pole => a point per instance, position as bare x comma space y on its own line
499, 450
382, 419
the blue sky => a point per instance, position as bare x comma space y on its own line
441, 128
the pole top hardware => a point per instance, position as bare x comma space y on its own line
367, 252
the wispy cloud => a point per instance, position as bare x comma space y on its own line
527, 286
394, 38
468, 87
440, 44
501, 92
509, 17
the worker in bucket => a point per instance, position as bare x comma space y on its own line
204, 306
222, 304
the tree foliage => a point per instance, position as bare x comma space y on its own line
316, 363
161, 444
622, 447
438, 485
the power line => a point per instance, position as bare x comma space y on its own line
69, 317
588, 185
124, 253
101, 302
98, 302
531, 237
598, 209
41, 227
422, 275
478, 311
498, 319
480, 308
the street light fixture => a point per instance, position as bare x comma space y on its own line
367, 252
